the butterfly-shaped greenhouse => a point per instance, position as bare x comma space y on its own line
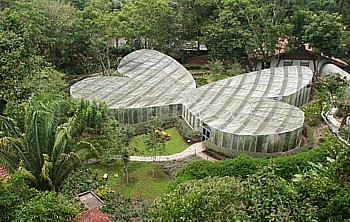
255, 112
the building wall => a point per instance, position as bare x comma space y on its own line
250, 143
258, 143
299, 98
145, 114
289, 62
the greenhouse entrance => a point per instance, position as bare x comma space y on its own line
205, 133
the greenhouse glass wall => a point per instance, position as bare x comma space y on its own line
255, 112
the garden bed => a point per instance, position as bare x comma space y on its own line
175, 145
141, 182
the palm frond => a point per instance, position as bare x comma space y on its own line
39, 121
62, 138
27, 174
10, 153
7, 162
46, 168
86, 150
64, 164
7, 127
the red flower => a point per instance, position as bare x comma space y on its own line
118, 213
114, 200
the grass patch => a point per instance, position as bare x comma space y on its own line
140, 178
175, 145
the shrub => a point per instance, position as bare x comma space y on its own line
13, 192
264, 196
244, 165
80, 180
46, 206
293, 164
142, 128
123, 208
312, 112
186, 132
338, 207
91, 115
197, 200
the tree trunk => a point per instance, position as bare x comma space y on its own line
127, 175
103, 65
343, 122
108, 60
154, 160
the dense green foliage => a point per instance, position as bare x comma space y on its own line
47, 206
18, 202
42, 151
55, 31
244, 165
81, 180
312, 183
45, 42
264, 196
123, 208
313, 112
91, 115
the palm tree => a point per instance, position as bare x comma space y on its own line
42, 151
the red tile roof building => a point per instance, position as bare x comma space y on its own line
3, 174
93, 215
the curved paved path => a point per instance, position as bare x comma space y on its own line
194, 149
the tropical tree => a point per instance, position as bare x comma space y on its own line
148, 24
193, 15
247, 26
42, 151
116, 140
126, 158
154, 142
324, 32
99, 17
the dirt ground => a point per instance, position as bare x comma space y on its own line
198, 60
319, 131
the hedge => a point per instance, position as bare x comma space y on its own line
186, 132
244, 165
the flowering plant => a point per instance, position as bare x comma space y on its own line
122, 208
80, 180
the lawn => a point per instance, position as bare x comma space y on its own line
140, 178
175, 145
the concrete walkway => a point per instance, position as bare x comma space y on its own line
194, 149
334, 125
